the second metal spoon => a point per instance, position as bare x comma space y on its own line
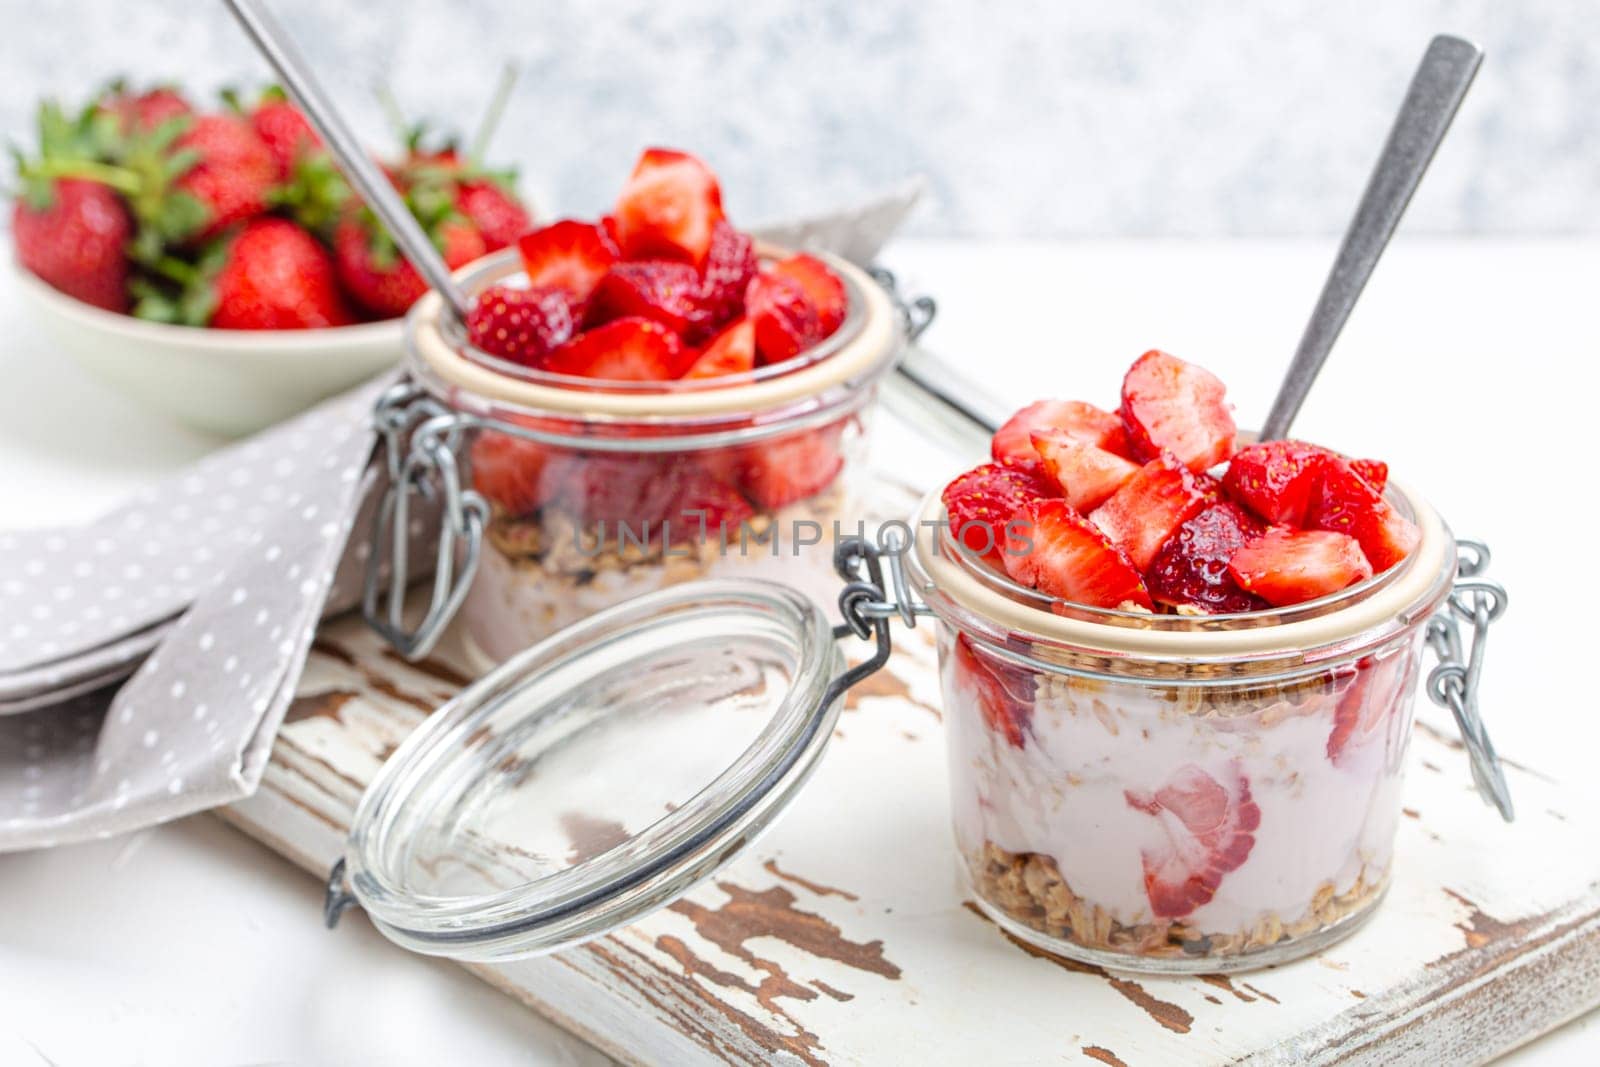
1431, 102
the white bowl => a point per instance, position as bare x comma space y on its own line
229, 382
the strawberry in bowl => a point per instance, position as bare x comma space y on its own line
657, 397
210, 260
1178, 672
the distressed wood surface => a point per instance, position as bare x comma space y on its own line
843, 935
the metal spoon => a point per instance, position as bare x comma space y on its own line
363, 172
1436, 92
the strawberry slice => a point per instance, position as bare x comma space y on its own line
733, 351
1191, 569
1376, 692
1058, 551
658, 290
1345, 502
822, 287
777, 473
730, 264
1210, 830
1274, 479
1161, 496
982, 501
574, 255
1002, 690
627, 350
668, 208
1087, 475
786, 321
1013, 442
1287, 566
1375, 472
1177, 406
508, 470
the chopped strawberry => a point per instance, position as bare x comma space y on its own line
1191, 569
1287, 566
1171, 405
1058, 551
1087, 475
1210, 830
1274, 479
706, 509
779, 472
1345, 502
1013, 442
822, 287
668, 208
733, 351
1376, 690
982, 501
786, 321
1002, 691
574, 255
730, 264
509, 470
521, 325
640, 490
658, 290
627, 350
1375, 472
1161, 496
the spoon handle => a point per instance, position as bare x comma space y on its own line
358, 166
1436, 92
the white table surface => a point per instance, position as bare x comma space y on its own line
1470, 366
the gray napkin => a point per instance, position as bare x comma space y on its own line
226, 568
208, 589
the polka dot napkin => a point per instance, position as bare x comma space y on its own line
208, 589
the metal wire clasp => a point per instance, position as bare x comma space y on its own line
916, 313
1453, 683
421, 439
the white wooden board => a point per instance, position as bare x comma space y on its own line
843, 936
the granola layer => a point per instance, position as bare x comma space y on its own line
1028, 887
542, 573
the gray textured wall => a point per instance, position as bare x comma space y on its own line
1029, 118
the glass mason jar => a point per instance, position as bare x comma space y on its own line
595, 492
1159, 794
1178, 793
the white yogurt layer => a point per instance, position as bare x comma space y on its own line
1065, 792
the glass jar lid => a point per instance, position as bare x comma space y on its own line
599, 774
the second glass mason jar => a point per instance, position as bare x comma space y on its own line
601, 491
1175, 793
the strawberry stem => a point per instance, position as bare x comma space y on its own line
119, 178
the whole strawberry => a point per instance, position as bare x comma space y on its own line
232, 173
283, 129
277, 277
379, 278
147, 110
71, 233
495, 210
521, 325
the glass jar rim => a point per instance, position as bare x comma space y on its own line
1209, 648
861, 351
556, 909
